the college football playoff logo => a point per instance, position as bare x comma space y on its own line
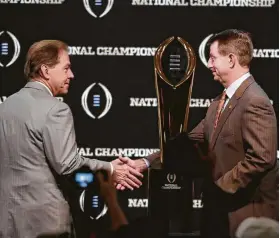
171, 178
202, 50
9, 48
92, 205
96, 100
98, 8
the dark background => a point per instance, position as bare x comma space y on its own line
128, 77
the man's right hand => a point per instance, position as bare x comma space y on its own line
126, 175
138, 164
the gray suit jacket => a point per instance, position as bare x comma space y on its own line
37, 143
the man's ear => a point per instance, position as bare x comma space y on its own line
232, 59
44, 71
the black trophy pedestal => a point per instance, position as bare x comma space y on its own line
170, 200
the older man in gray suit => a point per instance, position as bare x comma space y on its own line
37, 144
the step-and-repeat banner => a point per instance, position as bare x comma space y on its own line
111, 45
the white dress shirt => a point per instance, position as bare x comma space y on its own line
45, 87
230, 91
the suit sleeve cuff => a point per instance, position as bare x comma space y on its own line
112, 168
147, 162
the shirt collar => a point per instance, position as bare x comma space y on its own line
235, 85
45, 87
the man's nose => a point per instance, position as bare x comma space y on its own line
71, 75
209, 64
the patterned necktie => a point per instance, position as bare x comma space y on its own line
220, 108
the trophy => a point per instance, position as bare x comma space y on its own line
170, 186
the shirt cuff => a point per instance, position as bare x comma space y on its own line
112, 168
147, 162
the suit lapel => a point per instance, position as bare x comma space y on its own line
229, 108
224, 116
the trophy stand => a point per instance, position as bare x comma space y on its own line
170, 186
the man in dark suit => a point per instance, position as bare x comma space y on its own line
240, 134
38, 145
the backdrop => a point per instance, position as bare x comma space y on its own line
112, 44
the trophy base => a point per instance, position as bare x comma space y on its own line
170, 195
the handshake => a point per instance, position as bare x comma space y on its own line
127, 172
